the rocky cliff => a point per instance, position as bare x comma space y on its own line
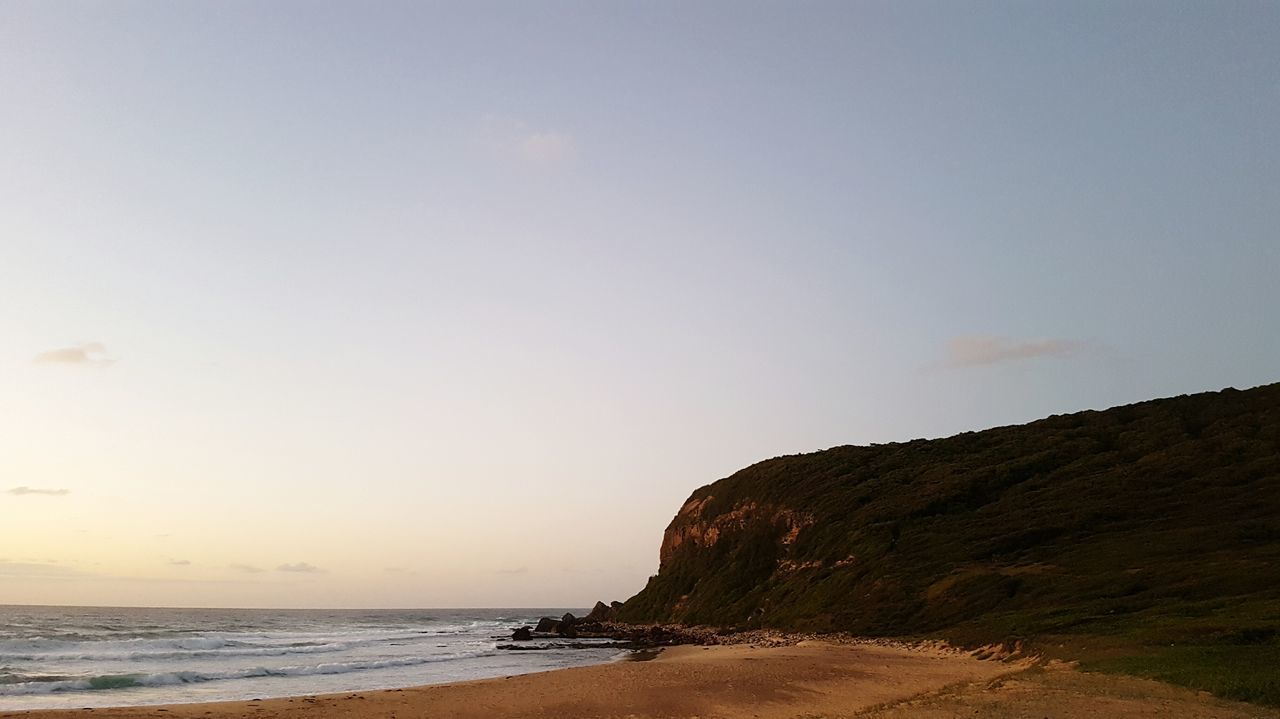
1164, 513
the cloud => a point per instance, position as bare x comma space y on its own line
21, 491
89, 354
45, 570
180, 562
301, 567
515, 570
513, 138
246, 568
31, 570
976, 350
547, 147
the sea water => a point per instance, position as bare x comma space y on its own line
103, 656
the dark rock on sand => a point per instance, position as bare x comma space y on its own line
523, 634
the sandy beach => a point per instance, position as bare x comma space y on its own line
812, 679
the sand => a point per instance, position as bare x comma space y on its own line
808, 680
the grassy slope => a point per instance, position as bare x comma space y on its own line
1146, 533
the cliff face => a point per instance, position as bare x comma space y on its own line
1075, 522
693, 528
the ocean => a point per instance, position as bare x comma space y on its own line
109, 656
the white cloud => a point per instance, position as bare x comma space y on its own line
44, 570
302, 567
547, 147
89, 354
975, 350
513, 138
20, 491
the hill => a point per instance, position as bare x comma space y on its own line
1142, 526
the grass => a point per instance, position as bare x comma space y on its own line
1245, 673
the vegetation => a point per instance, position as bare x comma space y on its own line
1143, 538
1248, 673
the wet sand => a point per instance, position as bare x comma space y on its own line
807, 680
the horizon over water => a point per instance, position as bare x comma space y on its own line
64, 656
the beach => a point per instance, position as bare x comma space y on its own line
810, 679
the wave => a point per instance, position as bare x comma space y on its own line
42, 643
192, 654
52, 684
139, 649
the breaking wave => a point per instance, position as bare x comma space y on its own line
40, 649
36, 684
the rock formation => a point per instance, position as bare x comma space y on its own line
1072, 523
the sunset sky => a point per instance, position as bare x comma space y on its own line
427, 304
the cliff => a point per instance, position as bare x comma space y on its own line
1163, 515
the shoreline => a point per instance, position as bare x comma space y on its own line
769, 682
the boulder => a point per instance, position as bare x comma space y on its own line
565, 627
547, 624
601, 612
523, 634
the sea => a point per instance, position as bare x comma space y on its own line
60, 657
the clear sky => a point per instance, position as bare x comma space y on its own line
428, 304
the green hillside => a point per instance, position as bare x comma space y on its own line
1142, 526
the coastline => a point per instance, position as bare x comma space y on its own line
810, 678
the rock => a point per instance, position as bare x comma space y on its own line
602, 612
547, 624
565, 628
523, 634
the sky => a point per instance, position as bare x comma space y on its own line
405, 304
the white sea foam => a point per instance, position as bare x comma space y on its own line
42, 649
122, 681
